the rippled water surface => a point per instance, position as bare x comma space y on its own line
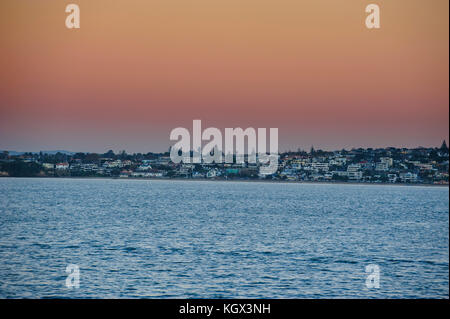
171, 239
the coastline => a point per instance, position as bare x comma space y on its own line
231, 180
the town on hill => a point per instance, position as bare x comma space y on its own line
382, 165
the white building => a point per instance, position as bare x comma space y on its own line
48, 165
382, 167
328, 176
392, 178
144, 167
408, 177
113, 164
338, 161
62, 166
212, 173
427, 167
354, 172
388, 160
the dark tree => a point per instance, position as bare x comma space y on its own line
444, 147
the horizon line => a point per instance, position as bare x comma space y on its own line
280, 152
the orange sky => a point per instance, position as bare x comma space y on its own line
137, 69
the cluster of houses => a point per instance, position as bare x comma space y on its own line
387, 165
342, 168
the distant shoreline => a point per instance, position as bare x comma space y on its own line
230, 180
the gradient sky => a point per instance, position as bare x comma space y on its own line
137, 69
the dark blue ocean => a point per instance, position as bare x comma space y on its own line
187, 239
